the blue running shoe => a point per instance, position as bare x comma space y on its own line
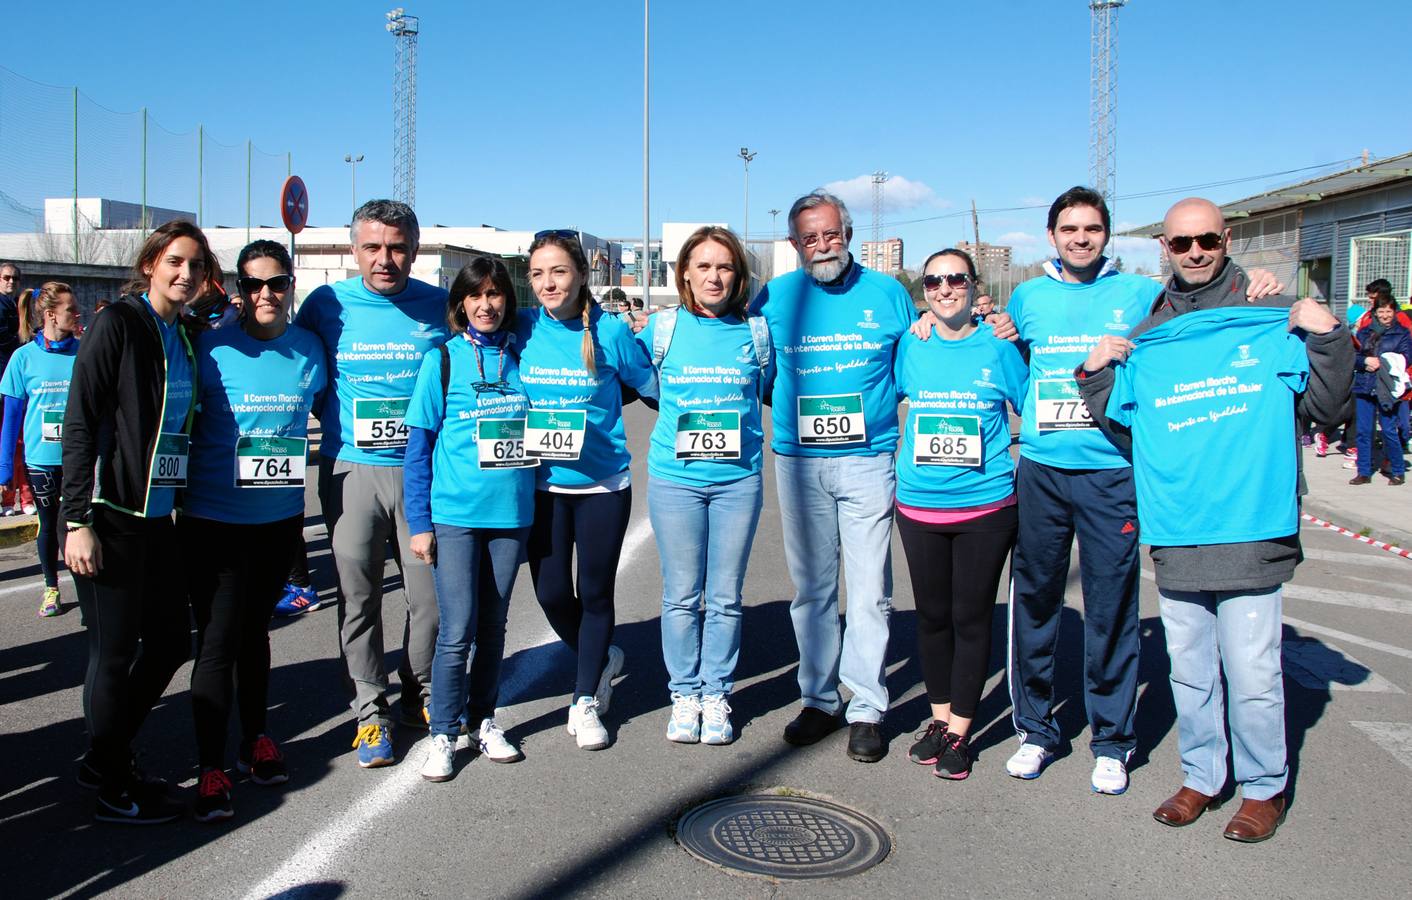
297, 601
374, 745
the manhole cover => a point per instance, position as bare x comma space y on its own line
784, 837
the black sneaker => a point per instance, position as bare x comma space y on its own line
90, 778
213, 797
865, 742
954, 763
136, 806
809, 727
262, 762
929, 744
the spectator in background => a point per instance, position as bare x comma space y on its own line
18, 496
983, 306
1378, 391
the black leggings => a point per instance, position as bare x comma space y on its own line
46, 481
595, 524
234, 574
955, 572
299, 566
139, 633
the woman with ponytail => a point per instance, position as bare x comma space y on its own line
36, 390
575, 361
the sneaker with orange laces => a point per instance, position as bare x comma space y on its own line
262, 762
374, 745
213, 796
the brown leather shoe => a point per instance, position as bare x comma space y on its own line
1256, 820
1184, 807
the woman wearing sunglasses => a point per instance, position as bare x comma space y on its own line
242, 513
36, 390
704, 488
575, 361
956, 509
125, 450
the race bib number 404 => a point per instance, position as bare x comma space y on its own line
708, 435
1058, 406
554, 434
947, 441
270, 462
832, 419
169, 462
377, 424
500, 444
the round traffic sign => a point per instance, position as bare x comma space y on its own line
294, 204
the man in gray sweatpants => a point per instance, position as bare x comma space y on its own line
376, 328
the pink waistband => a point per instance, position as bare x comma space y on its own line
953, 516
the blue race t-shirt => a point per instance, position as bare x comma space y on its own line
41, 378
1209, 398
955, 449
259, 391
375, 344
177, 403
835, 346
1059, 323
554, 376
709, 406
470, 486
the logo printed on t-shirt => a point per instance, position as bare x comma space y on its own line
868, 320
1245, 361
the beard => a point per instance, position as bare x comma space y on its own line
827, 268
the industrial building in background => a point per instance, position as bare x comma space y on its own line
404, 29
883, 256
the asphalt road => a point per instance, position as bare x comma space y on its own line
568, 821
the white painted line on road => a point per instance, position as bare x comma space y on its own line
1319, 667
1394, 737
1357, 559
1346, 598
1347, 638
317, 855
27, 586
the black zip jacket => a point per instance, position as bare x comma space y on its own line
114, 414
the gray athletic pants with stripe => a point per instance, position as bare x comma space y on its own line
362, 507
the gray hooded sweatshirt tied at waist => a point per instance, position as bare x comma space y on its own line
1252, 565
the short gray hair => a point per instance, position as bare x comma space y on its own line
815, 198
386, 212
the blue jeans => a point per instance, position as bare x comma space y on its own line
1209, 632
475, 573
830, 504
703, 538
1370, 416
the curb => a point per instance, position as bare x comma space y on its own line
18, 530
1351, 521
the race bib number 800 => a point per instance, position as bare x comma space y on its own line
377, 424
169, 462
1058, 406
833, 419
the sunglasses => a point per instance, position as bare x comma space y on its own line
208, 308
250, 285
955, 279
1182, 243
567, 234
812, 240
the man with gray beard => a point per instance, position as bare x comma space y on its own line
835, 327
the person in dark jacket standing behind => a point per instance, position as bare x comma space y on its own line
126, 436
1383, 335
1220, 591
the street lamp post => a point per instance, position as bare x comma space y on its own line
353, 167
746, 155
644, 270
774, 230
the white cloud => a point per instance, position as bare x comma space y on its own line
1017, 239
899, 194
1034, 201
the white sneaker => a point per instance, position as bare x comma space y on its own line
440, 755
685, 726
611, 669
1028, 761
716, 720
1110, 775
493, 744
585, 725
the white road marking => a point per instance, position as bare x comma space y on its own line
27, 586
317, 855
1346, 598
1380, 560
1319, 667
1394, 737
1347, 638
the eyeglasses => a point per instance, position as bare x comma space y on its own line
955, 279
501, 387
1182, 243
9, 278
567, 234
250, 285
828, 237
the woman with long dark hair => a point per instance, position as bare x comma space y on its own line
1380, 342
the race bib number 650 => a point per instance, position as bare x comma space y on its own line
833, 419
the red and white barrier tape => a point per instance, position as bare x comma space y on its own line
1406, 554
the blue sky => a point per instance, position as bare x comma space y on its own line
529, 115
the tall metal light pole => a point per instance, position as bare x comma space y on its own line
645, 264
774, 230
1103, 96
746, 155
353, 167
405, 29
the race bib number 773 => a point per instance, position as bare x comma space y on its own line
1058, 406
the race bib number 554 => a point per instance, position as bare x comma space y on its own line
377, 424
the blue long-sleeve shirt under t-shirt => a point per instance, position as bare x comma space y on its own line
37, 380
710, 366
443, 480
835, 346
955, 449
253, 389
1059, 323
375, 344
554, 376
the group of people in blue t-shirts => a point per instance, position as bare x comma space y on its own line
474, 435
